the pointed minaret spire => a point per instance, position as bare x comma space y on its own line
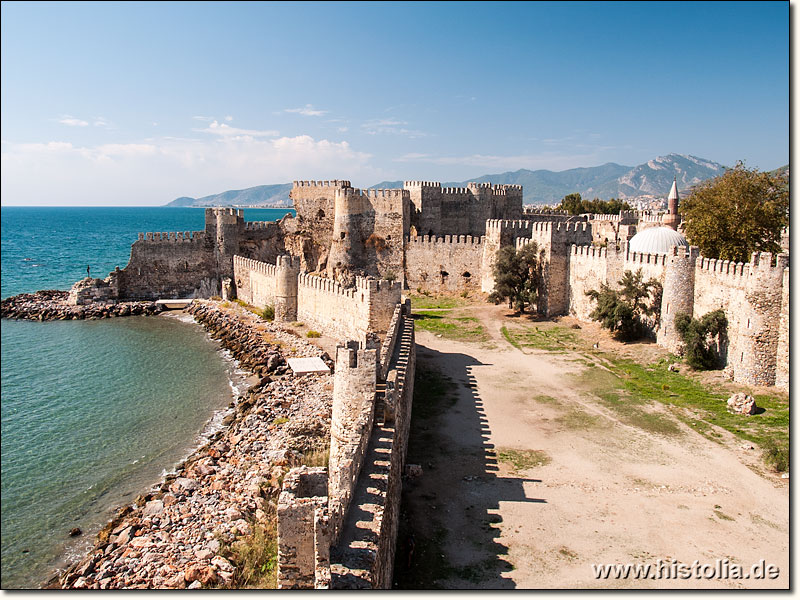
671, 219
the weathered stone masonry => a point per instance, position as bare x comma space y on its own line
337, 527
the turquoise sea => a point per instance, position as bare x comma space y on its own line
93, 412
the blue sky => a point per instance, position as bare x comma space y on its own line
129, 103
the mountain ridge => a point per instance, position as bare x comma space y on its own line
541, 186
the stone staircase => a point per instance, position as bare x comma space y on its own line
352, 560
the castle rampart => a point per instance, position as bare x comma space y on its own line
444, 264
337, 527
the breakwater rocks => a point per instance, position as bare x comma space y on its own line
193, 529
51, 305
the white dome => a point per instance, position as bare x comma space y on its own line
656, 240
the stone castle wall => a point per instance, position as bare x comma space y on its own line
320, 302
337, 526
444, 264
170, 265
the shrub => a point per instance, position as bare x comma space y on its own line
390, 275
776, 456
377, 242
623, 311
698, 336
313, 334
268, 314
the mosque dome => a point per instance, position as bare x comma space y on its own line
656, 240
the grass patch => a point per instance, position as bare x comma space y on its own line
545, 399
510, 338
255, 557
422, 302
464, 329
578, 419
280, 421
722, 516
553, 339
628, 387
313, 334
317, 458
522, 460
776, 455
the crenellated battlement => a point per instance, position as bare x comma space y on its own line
500, 225
258, 225
454, 191
449, 240
717, 267
644, 258
435, 184
590, 252
358, 194
333, 183
172, 236
544, 210
240, 262
323, 284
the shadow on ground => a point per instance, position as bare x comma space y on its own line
447, 536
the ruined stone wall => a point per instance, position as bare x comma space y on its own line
170, 265
782, 360
313, 227
347, 313
348, 514
444, 264
304, 537
587, 271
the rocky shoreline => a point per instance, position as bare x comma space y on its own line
184, 531
51, 305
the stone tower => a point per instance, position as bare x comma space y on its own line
288, 268
678, 295
760, 324
346, 242
223, 230
672, 219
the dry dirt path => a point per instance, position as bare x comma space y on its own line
606, 492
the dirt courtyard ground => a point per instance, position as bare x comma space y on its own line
529, 479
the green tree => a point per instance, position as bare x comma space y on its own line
738, 213
698, 336
518, 276
575, 205
625, 311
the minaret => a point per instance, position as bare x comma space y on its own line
671, 219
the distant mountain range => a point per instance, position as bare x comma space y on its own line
653, 178
261, 195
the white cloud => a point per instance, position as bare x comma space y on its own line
307, 111
204, 119
342, 129
102, 122
390, 127
224, 130
71, 121
112, 174
229, 118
